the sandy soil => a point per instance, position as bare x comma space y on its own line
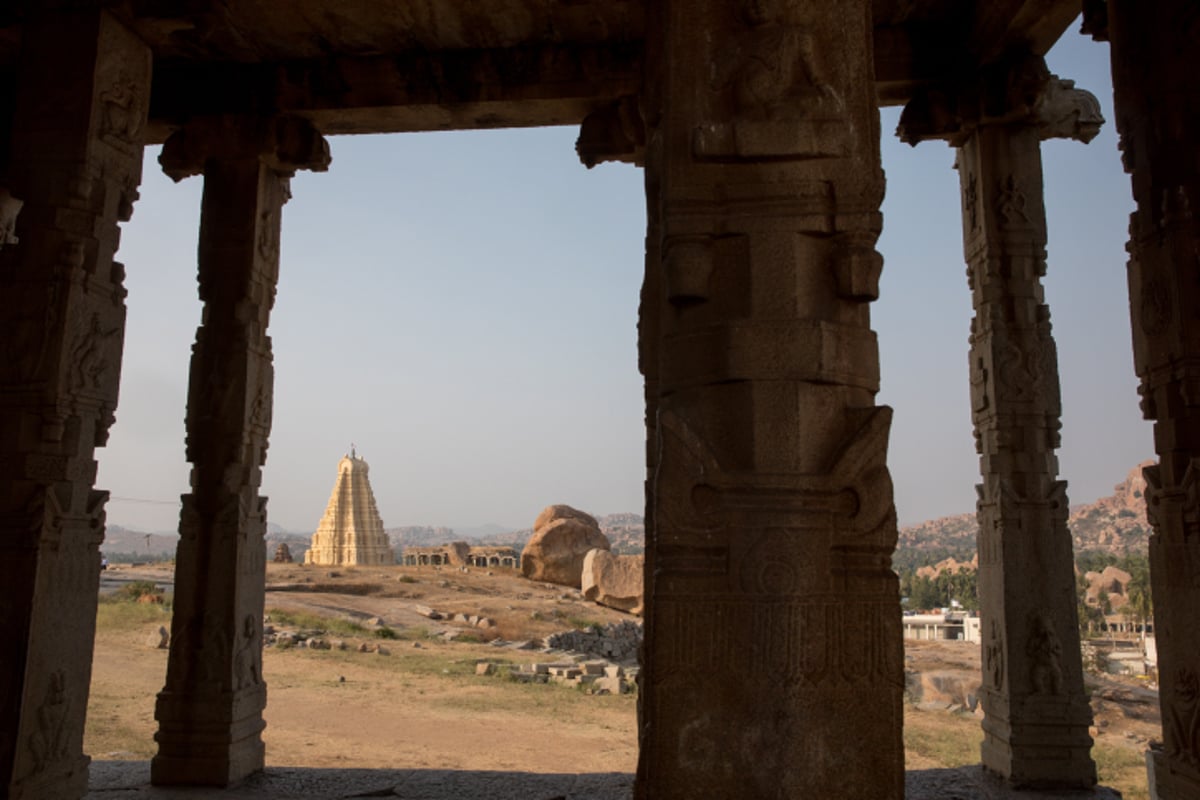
423, 706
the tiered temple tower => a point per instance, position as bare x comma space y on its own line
351, 532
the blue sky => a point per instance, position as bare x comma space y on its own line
463, 308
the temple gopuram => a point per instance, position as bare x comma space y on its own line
772, 665
351, 530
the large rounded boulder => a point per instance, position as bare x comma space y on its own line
562, 537
614, 581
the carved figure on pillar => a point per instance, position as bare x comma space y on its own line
62, 324
210, 711
1156, 78
771, 613
1036, 714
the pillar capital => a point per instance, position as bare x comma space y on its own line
1018, 90
283, 143
614, 132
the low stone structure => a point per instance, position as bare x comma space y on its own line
460, 554
614, 580
562, 537
351, 532
617, 641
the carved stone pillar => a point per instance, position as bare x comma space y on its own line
1036, 714
1156, 80
773, 662
74, 164
210, 711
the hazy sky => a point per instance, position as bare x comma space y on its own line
463, 306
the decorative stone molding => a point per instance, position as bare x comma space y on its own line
75, 164
210, 710
1019, 90
612, 133
770, 522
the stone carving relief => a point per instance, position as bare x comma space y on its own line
213, 658
979, 383
970, 195
1064, 112
1011, 204
772, 70
1184, 719
1044, 650
247, 665
782, 106
1155, 309
10, 208
993, 656
122, 113
48, 743
92, 358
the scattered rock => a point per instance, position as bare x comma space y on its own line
159, 639
484, 622
382, 650
485, 668
613, 580
426, 611
562, 536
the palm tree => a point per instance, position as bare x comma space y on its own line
1140, 601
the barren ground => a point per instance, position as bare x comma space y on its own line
423, 706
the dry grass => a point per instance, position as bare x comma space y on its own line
423, 705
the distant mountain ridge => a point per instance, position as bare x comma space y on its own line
1114, 524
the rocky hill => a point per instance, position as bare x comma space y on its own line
1114, 524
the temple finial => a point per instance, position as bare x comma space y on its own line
352, 450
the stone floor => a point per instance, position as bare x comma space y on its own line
130, 780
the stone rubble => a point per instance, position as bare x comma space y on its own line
618, 641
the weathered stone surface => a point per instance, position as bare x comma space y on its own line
71, 142
283, 555
770, 522
351, 531
562, 537
614, 580
210, 709
1156, 70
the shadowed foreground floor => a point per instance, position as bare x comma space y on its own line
130, 780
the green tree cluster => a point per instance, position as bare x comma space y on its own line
922, 593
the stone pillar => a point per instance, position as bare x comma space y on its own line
1036, 714
773, 664
1156, 83
210, 711
75, 163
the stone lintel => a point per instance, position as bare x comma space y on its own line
531, 85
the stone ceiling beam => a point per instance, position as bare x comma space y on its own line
517, 87
1002, 25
